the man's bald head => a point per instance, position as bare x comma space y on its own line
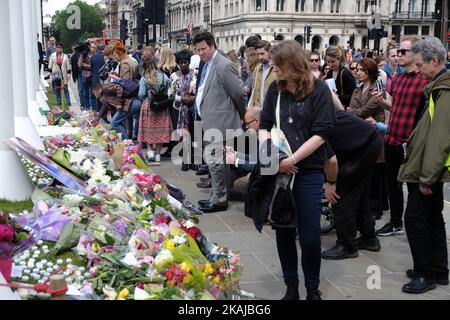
252, 117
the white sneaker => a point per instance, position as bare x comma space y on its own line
151, 154
158, 158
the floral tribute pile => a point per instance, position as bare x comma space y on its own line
124, 237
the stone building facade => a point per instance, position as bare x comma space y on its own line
332, 21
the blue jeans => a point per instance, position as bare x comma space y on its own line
80, 89
118, 121
136, 111
307, 192
88, 100
57, 90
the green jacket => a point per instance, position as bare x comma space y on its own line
429, 146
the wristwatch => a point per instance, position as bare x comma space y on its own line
331, 183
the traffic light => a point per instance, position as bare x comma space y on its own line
155, 10
123, 30
371, 34
140, 25
308, 34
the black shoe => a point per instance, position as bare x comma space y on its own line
203, 170
211, 208
338, 252
184, 167
410, 273
368, 244
291, 293
205, 179
313, 294
203, 203
204, 185
193, 167
419, 285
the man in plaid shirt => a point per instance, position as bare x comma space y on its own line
406, 102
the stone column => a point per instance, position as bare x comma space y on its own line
24, 127
31, 68
15, 185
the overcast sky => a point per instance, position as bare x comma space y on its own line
51, 6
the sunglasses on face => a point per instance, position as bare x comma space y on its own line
403, 51
314, 60
352, 68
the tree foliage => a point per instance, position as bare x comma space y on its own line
92, 23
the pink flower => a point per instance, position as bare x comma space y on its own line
161, 220
6, 233
148, 260
140, 286
107, 217
93, 271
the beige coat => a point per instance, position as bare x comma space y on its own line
65, 68
256, 96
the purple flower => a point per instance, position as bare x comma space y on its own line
121, 227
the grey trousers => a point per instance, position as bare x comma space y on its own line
215, 159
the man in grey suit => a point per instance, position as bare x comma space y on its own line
220, 104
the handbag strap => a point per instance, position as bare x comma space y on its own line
277, 111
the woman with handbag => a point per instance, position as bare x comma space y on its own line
303, 107
345, 82
59, 65
155, 125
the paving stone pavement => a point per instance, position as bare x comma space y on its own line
340, 280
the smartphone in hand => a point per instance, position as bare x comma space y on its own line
380, 87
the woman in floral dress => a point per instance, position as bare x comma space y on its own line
155, 128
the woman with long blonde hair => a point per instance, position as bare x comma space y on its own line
167, 62
307, 116
155, 127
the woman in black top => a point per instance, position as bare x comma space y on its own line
307, 116
345, 82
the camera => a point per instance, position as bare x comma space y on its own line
107, 68
83, 48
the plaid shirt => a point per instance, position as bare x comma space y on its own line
407, 99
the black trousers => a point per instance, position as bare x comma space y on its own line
394, 158
425, 228
352, 212
378, 191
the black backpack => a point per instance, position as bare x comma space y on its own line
160, 101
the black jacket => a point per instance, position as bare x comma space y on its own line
269, 200
75, 68
345, 85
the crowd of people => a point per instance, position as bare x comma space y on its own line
353, 126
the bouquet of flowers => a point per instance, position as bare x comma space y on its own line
14, 238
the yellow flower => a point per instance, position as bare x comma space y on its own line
184, 266
96, 247
209, 269
123, 294
99, 127
216, 280
170, 244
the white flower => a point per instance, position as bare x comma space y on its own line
81, 269
30, 264
27, 271
45, 247
189, 224
37, 252
50, 264
44, 262
42, 272
60, 261
25, 278
72, 200
179, 240
87, 275
33, 248
23, 263
49, 269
